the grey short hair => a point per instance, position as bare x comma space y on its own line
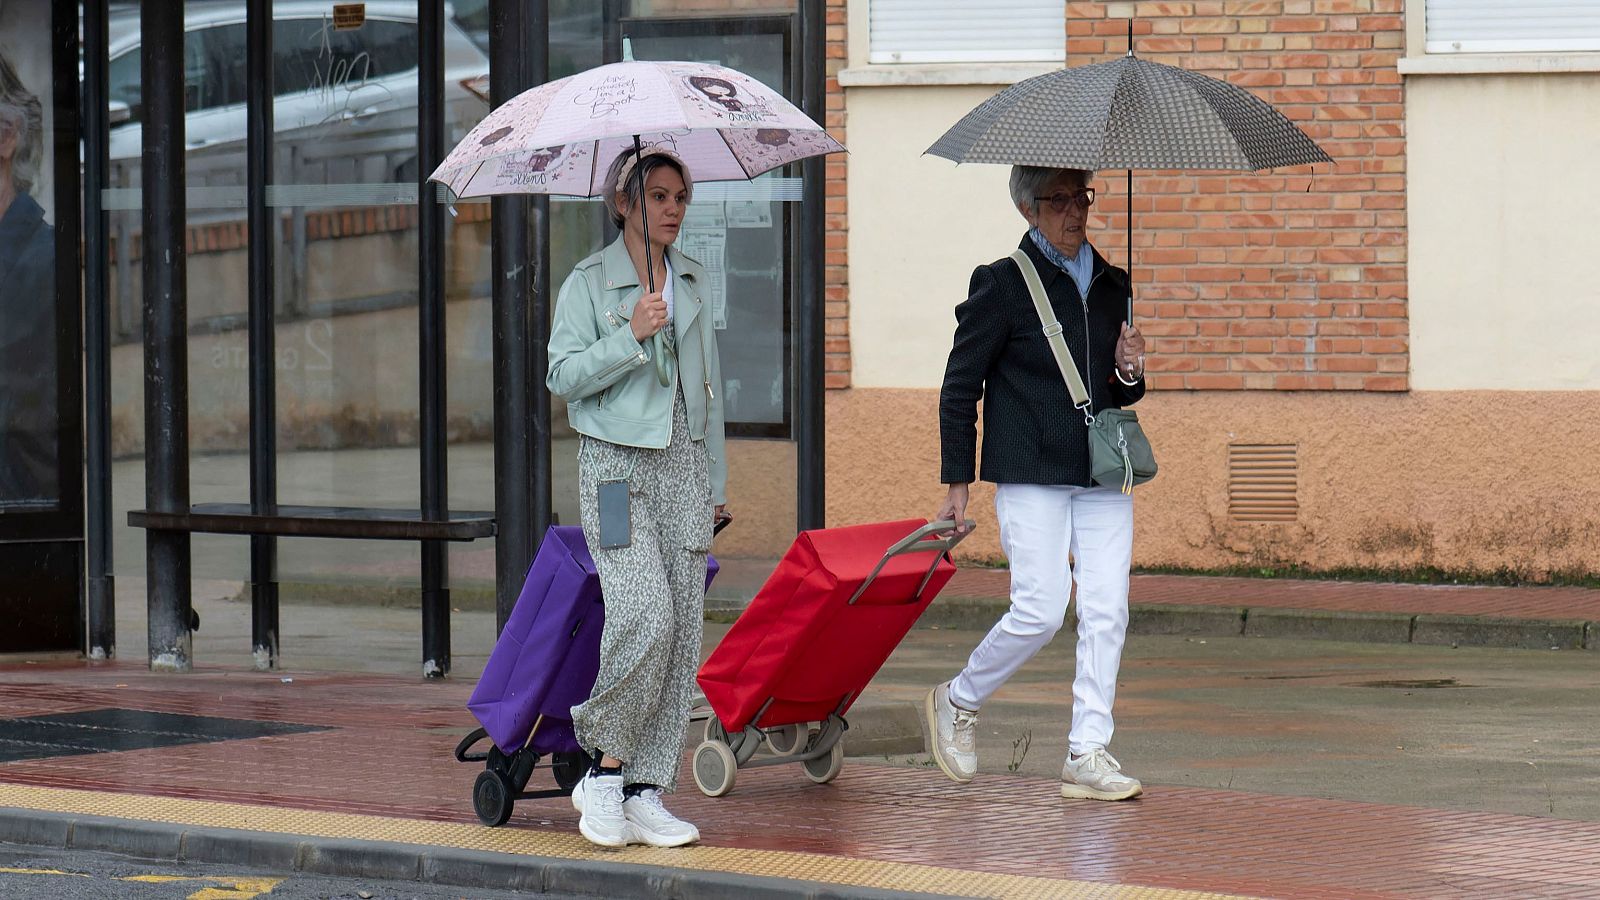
1028, 181
636, 179
21, 112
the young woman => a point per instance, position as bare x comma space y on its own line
638, 370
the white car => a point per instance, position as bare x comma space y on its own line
341, 93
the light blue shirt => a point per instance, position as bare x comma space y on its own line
1079, 268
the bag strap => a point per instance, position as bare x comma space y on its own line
1052, 334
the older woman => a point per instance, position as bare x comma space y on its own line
1035, 449
27, 305
638, 370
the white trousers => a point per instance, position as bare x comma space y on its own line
1040, 525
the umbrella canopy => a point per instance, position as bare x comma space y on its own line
1128, 114
559, 138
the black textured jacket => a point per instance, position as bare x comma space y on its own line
1031, 433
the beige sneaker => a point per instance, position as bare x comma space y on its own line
1097, 775
950, 734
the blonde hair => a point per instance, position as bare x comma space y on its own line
623, 177
21, 112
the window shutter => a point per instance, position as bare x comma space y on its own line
957, 31
1512, 26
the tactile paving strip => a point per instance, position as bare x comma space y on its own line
769, 863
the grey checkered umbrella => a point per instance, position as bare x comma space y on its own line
1128, 114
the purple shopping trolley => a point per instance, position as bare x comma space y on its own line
544, 663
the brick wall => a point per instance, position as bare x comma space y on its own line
836, 278
1291, 279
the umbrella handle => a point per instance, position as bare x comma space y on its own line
663, 373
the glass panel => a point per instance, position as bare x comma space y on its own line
214, 133
29, 444
577, 229
744, 233
214, 82
345, 192
740, 231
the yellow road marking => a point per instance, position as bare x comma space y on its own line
529, 842
238, 892
228, 888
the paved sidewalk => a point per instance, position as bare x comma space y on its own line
366, 782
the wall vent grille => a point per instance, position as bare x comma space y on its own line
1262, 482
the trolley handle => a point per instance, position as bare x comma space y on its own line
462, 754
923, 540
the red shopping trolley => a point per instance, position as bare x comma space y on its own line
789, 669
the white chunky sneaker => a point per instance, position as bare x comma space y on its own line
577, 794
950, 734
602, 821
650, 822
1097, 775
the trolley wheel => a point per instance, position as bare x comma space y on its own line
714, 730
714, 768
786, 739
569, 769
824, 769
491, 798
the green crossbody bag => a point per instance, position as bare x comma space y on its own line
1119, 452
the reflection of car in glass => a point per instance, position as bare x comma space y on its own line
345, 86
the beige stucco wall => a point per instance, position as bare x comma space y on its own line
1502, 192
1470, 481
918, 226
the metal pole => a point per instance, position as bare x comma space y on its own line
539, 306
101, 588
166, 350
518, 60
811, 361
431, 338
263, 237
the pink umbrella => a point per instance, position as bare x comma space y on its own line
560, 138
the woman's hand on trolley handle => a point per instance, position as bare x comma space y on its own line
721, 519
954, 508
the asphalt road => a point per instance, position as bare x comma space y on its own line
79, 875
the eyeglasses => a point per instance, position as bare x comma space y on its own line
1060, 201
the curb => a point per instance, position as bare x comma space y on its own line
1204, 620
1483, 631
884, 728
343, 858
1328, 625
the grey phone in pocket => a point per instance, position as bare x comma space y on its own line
616, 527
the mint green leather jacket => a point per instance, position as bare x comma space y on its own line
608, 379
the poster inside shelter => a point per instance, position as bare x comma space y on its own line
29, 470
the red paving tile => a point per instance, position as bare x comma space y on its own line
1346, 596
389, 752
